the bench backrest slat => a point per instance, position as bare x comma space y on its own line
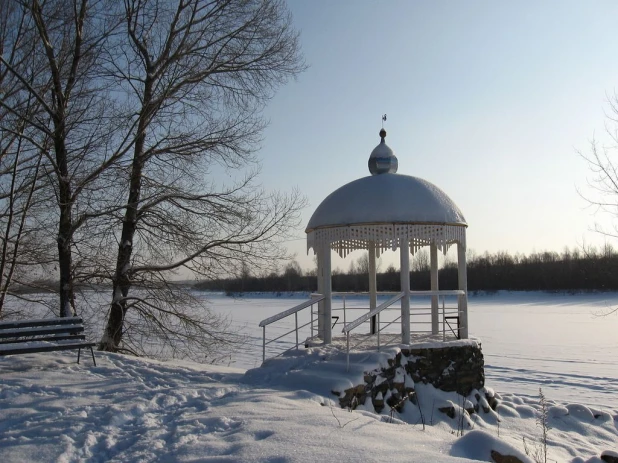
42, 322
36, 331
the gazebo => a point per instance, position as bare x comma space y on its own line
387, 210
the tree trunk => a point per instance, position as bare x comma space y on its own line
112, 336
65, 227
61, 88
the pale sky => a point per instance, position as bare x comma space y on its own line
488, 100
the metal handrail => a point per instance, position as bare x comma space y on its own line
363, 318
349, 295
286, 313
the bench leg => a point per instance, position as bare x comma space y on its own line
79, 351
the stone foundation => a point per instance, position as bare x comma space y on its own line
450, 368
456, 366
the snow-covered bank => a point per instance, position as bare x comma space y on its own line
132, 410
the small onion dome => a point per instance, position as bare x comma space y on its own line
382, 159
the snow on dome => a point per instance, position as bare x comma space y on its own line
382, 159
386, 198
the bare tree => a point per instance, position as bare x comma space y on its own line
119, 122
602, 162
52, 60
292, 274
420, 261
19, 180
361, 265
15, 156
24, 250
195, 76
603, 186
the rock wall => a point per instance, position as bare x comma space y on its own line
456, 366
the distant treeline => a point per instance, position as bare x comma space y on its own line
575, 270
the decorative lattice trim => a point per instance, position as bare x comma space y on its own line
386, 236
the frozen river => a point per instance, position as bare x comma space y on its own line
555, 341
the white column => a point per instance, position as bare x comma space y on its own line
404, 257
435, 315
320, 256
373, 295
327, 291
463, 285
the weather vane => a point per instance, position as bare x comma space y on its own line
383, 119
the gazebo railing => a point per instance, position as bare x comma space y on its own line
315, 298
454, 314
447, 313
346, 299
347, 329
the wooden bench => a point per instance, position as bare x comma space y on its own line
45, 335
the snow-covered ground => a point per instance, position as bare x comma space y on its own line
134, 410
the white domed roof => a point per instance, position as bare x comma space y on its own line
386, 198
